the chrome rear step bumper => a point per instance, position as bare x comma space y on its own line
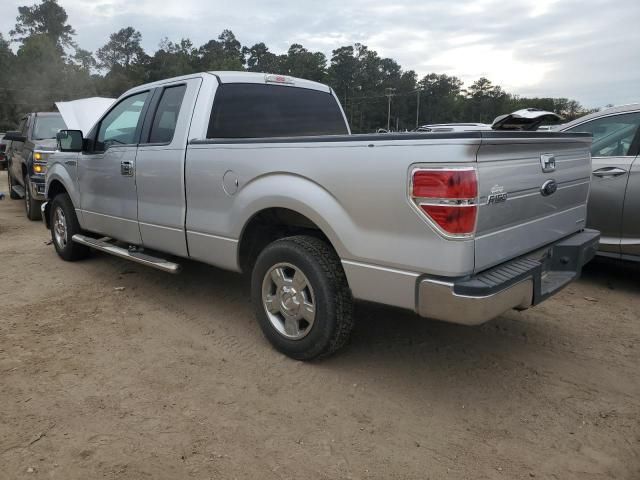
142, 258
519, 283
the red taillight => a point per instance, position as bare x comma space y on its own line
445, 184
457, 220
448, 198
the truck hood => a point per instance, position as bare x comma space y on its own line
83, 114
525, 119
46, 144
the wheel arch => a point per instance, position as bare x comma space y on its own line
60, 181
271, 212
270, 224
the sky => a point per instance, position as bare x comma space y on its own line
586, 50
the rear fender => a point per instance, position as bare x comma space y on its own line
301, 195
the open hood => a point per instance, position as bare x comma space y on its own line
525, 119
83, 114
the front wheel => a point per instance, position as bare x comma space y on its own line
64, 225
301, 297
31, 206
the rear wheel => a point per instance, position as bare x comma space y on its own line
301, 297
12, 195
31, 206
64, 225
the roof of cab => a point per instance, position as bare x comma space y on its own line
631, 107
252, 77
240, 77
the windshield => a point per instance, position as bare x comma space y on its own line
47, 127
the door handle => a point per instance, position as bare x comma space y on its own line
126, 168
609, 172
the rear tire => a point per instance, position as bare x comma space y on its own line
31, 206
12, 195
64, 225
301, 297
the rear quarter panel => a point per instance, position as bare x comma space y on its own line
356, 192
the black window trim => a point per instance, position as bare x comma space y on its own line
151, 114
242, 139
136, 136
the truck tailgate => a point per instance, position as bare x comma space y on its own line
517, 214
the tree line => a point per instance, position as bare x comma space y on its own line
48, 66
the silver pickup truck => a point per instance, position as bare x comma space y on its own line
260, 173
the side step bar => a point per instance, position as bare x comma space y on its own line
138, 257
18, 190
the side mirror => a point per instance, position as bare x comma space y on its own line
15, 137
69, 140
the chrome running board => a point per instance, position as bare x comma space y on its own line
138, 257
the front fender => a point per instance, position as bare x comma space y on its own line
58, 171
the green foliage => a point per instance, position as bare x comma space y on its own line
123, 50
49, 19
43, 71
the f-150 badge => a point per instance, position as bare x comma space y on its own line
497, 195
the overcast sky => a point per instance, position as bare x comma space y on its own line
588, 50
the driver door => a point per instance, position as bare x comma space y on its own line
612, 161
106, 173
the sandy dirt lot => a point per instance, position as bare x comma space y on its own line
111, 370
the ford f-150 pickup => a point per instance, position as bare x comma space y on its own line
27, 153
260, 173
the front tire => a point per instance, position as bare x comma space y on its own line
64, 225
31, 206
301, 297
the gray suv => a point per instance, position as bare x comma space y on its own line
614, 202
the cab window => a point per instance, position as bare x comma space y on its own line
120, 125
613, 135
166, 116
250, 110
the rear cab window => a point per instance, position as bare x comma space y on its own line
251, 110
165, 118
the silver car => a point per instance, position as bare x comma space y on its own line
614, 202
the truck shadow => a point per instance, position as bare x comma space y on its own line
612, 274
393, 345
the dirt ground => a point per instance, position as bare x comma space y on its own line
112, 370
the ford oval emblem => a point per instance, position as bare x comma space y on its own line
548, 188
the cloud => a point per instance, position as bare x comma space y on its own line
579, 49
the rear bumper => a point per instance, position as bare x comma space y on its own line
519, 283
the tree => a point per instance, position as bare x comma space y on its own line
440, 99
123, 49
172, 60
84, 59
8, 111
48, 18
41, 73
225, 53
300, 62
343, 71
260, 59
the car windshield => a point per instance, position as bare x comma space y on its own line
47, 127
